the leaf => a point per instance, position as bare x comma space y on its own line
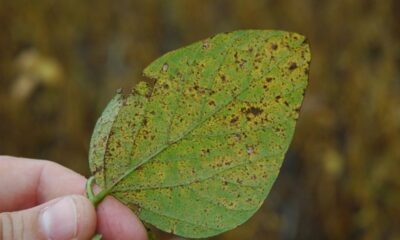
198, 153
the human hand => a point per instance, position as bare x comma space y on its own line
43, 200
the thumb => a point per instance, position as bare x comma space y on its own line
69, 217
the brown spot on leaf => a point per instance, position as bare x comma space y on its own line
223, 78
254, 110
292, 66
234, 120
205, 151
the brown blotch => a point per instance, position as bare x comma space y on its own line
223, 78
277, 98
286, 103
140, 168
268, 79
254, 110
292, 66
274, 46
145, 122
205, 151
234, 120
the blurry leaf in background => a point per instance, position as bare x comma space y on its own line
34, 70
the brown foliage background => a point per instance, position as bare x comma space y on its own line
61, 61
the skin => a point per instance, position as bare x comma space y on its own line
28, 186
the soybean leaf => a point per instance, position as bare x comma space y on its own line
197, 154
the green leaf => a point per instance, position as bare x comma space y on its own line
197, 154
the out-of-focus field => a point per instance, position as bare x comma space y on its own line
61, 61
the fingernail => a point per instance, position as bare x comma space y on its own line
59, 221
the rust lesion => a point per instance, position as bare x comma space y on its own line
234, 120
292, 66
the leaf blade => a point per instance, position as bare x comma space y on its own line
222, 115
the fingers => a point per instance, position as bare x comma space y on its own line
25, 183
117, 220
70, 217
34, 182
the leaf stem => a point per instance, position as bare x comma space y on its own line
95, 199
99, 197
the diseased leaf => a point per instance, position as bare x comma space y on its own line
198, 153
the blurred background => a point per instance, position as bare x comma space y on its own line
61, 62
